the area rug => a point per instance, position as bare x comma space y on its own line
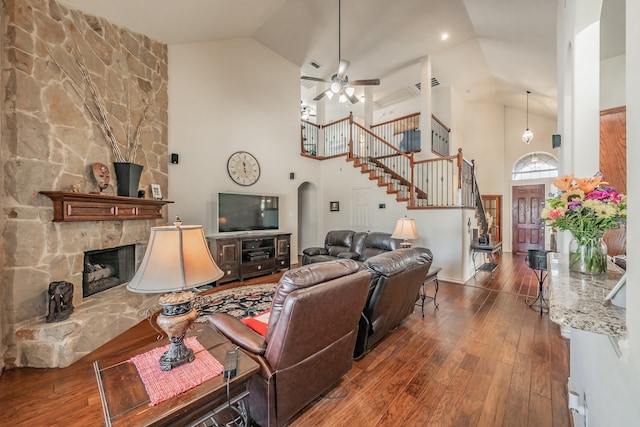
240, 302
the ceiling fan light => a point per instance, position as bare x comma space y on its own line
335, 87
350, 91
343, 98
329, 94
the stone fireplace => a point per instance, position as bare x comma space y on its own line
49, 143
106, 268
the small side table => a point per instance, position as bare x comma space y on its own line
432, 277
125, 401
487, 250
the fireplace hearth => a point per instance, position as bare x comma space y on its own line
106, 268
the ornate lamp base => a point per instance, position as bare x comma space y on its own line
177, 354
177, 317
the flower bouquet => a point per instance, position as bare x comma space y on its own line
587, 207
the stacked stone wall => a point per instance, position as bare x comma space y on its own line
50, 141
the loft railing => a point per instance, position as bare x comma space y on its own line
444, 181
439, 137
404, 132
309, 138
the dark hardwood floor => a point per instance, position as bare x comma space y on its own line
482, 359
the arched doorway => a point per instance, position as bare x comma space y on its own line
528, 199
308, 216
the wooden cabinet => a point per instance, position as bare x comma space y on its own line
226, 254
283, 255
250, 255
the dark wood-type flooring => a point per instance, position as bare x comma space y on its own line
482, 359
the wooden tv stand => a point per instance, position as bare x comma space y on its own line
245, 255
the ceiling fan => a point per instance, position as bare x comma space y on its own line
340, 83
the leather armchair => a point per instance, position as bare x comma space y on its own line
395, 280
335, 242
347, 244
310, 338
377, 243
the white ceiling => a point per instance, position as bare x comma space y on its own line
497, 49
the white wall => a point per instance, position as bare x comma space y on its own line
484, 141
226, 96
612, 79
633, 181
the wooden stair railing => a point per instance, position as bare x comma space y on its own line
480, 212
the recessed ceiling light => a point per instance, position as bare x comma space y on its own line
444, 36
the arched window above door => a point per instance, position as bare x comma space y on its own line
535, 166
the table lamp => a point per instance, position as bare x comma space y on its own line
406, 230
177, 259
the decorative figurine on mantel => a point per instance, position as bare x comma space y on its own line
102, 175
60, 301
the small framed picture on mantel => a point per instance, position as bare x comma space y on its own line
334, 206
156, 192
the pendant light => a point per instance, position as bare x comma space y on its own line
527, 136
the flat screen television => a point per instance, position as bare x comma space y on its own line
247, 212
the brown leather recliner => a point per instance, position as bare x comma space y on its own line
396, 278
335, 242
310, 338
348, 244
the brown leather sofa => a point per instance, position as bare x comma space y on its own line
395, 280
349, 244
310, 338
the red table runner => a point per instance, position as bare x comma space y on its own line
162, 385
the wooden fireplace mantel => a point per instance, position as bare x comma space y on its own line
95, 207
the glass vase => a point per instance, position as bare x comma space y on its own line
588, 256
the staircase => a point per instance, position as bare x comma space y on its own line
394, 183
444, 181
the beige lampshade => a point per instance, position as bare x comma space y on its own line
405, 229
177, 258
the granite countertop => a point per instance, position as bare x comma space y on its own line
577, 300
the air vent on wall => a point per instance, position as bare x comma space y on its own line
315, 64
434, 82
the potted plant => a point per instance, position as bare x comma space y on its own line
587, 207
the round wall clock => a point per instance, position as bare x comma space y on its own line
243, 168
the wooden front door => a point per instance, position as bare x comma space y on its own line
528, 230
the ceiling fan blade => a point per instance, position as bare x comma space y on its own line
369, 82
319, 97
313, 79
342, 68
352, 98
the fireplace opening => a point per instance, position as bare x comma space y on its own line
106, 268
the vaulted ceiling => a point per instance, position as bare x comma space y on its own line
496, 50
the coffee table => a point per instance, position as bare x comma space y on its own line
125, 401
